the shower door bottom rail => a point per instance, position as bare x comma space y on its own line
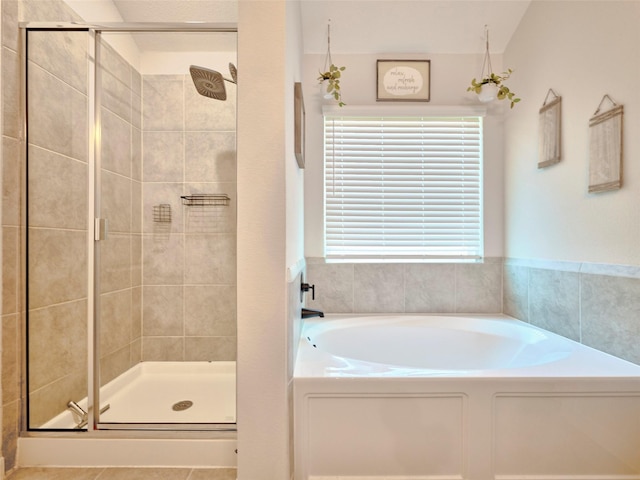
204, 427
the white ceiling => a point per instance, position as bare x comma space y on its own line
357, 26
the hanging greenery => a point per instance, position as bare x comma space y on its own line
491, 85
331, 74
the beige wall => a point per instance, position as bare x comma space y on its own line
573, 263
583, 50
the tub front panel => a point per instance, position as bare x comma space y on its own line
356, 435
574, 417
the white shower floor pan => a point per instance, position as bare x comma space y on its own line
141, 399
147, 393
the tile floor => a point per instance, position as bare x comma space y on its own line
118, 473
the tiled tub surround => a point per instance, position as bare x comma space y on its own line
406, 287
595, 304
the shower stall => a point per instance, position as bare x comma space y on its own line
130, 231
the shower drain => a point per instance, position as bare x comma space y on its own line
182, 405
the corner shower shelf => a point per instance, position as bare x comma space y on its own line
206, 199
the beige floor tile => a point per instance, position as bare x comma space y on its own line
213, 474
145, 474
40, 473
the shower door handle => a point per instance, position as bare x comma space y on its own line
100, 232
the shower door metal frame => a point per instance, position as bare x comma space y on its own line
94, 222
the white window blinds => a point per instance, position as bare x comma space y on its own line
403, 188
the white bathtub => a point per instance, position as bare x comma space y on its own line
458, 397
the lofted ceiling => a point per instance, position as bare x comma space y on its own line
409, 26
357, 26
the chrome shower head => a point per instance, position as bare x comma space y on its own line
208, 82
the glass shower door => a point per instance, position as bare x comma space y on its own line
57, 257
131, 284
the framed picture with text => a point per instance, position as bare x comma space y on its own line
403, 80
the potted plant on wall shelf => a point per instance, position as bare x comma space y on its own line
332, 77
492, 87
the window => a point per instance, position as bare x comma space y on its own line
403, 188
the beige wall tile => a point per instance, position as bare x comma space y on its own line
516, 292
136, 312
116, 202
162, 311
57, 266
162, 261
64, 54
115, 262
210, 157
163, 156
115, 323
57, 342
11, 182
9, 24
57, 200
10, 269
50, 400
57, 122
378, 288
202, 113
609, 314
167, 349
136, 153
430, 288
10, 429
210, 259
116, 144
210, 310
479, 287
10, 91
11, 370
116, 96
210, 348
554, 301
162, 105
114, 364
333, 287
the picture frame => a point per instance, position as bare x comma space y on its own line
549, 131
403, 80
299, 124
605, 148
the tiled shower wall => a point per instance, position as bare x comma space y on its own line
189, 262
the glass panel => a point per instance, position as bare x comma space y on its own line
167, 333
57, 245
